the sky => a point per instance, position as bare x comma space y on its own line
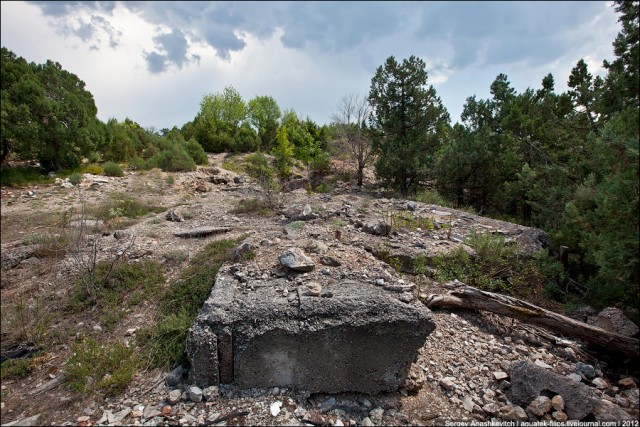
153, 62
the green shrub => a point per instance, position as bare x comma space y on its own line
15, 368
252, 205
410, 221
196, 152
112, 169
431, 197
75, 178
232, 165
181, 302
321, 163
93, 169
127, 207
104, 369
324, 187
118, 288
18, 176
172, 159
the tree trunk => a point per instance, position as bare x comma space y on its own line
468, 297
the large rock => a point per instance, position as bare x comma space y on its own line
352, 337
529, 381
613, 320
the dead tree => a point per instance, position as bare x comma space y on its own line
350, 122
468, 297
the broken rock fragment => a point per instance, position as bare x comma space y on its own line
296, 260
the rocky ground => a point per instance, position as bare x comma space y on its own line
474, 367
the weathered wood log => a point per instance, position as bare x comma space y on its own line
468, 297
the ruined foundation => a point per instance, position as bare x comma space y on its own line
352, 337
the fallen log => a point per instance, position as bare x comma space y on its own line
468, 297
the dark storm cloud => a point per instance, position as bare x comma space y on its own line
475, 32
505, 32
172, 49
62, 8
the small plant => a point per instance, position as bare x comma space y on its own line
252, 205
257, 167
324, 187
75, 178
296, 225
410, 221
188, 214
15, 368
232, 165
339, 223
420, 264
122, 205
28, 319
172, 159
396, 264
166, 342
95, 367
176, 257
170, 180
117, 286
112, 169
431, 197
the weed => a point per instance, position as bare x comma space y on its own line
95, 367
188, 214
122, 205
296, 225
396, 264
252, 205
170, 180
339, 223
176, 257
112, 169
409, 221
118, 286
420, 264
27, 319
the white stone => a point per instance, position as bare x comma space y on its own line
275, 408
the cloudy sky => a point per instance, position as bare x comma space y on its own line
154, 61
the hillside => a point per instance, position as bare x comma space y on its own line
469, 368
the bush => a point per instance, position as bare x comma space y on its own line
127, 207
166, 342
431, 197
112, 169
196, 152
93, 169
107, 369
15, 368
172, 159
22, 175
75, 178
118, 287
252, 205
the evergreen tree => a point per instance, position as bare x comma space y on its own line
410, 120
